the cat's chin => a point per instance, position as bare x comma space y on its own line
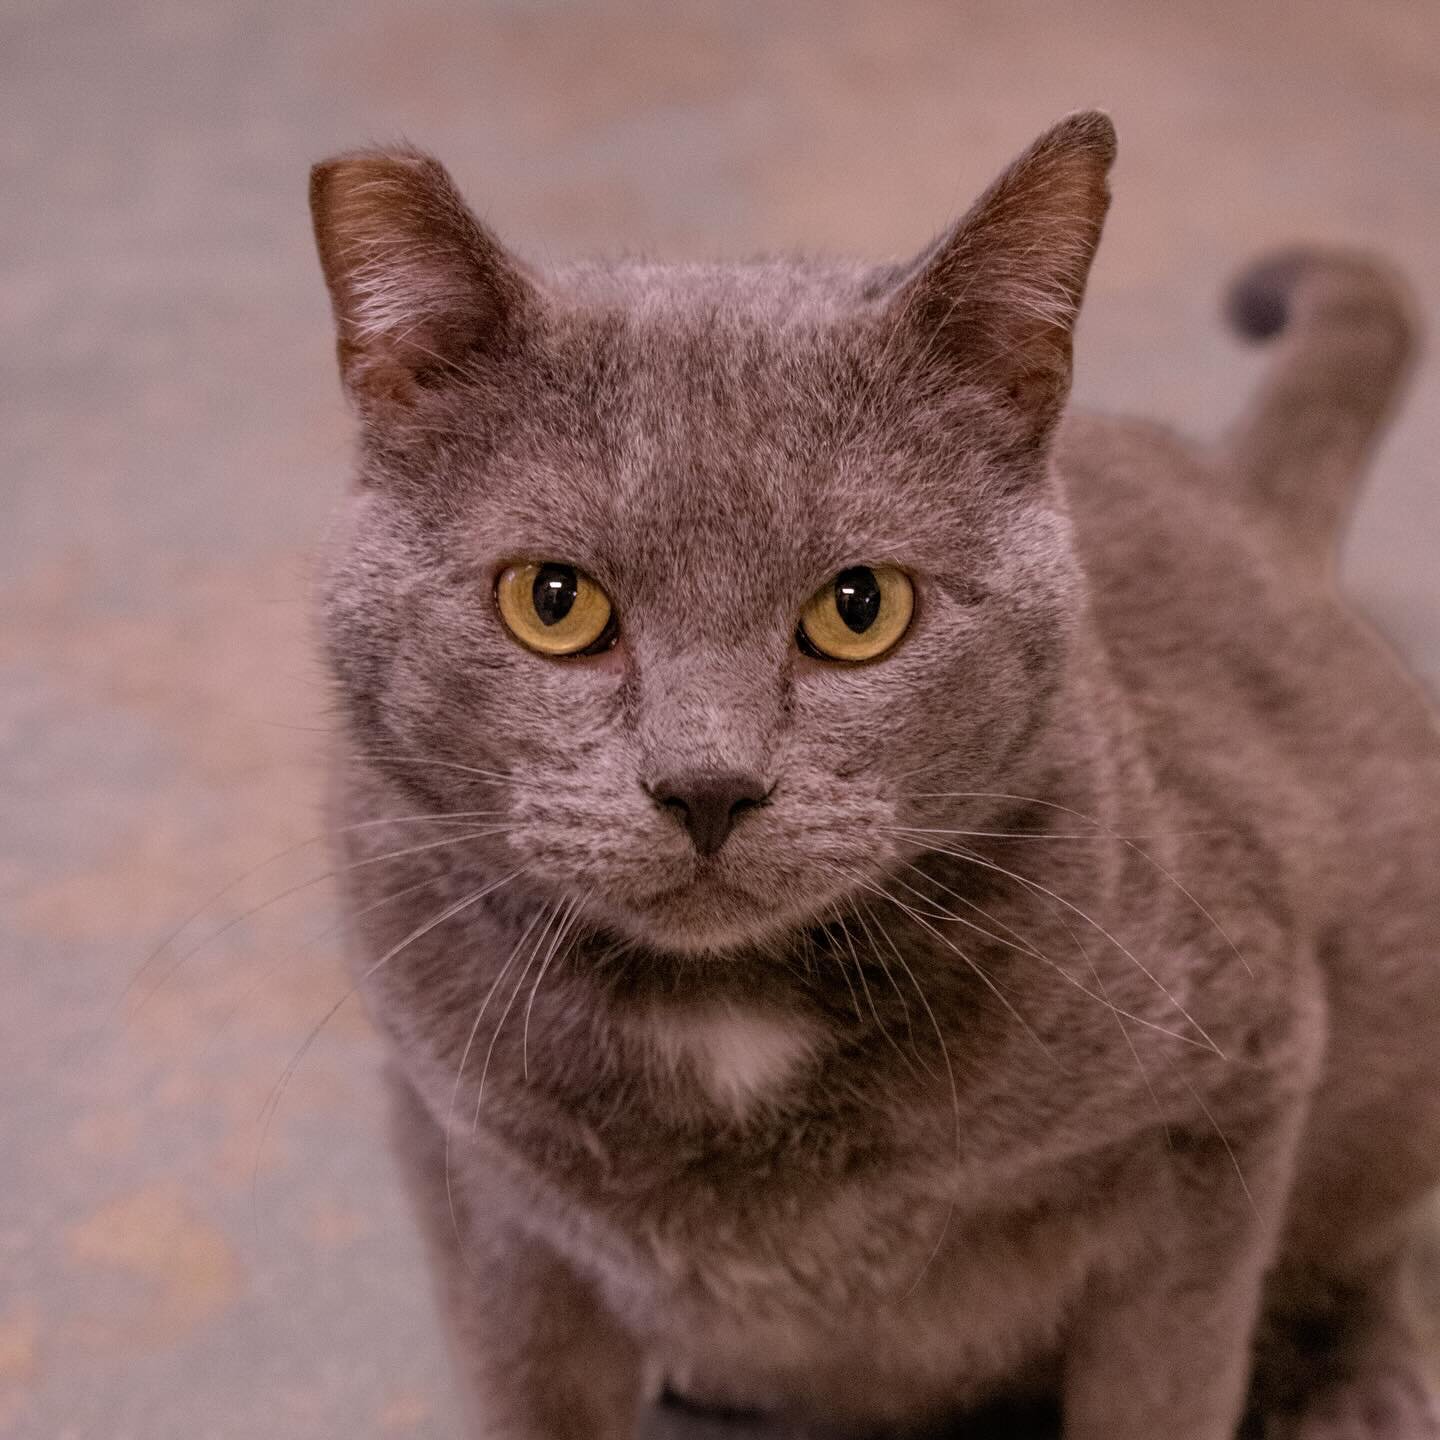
710, 922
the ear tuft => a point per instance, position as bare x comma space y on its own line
419, 287
996, 298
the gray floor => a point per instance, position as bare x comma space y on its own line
173, 436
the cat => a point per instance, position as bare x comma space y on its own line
893, 908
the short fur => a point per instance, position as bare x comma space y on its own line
1058, 1039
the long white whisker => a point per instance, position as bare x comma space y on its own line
855, 878
534, 991
844, 973
254, 870
1025, 948
498, 776
1223, 1138
1124, 840
865, 915
285, 894
968, 959
460, 1072
961, 853
1018, 943
305, 944
272, 1104
509, 1006
869, 998
978, 970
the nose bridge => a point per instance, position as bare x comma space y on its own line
708, 713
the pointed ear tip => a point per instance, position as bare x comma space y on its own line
369, 162
327, 177
1091, 130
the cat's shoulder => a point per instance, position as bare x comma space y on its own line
1150, 506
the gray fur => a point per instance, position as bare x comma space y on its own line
1062, 1029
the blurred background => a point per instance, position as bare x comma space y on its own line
181, 1256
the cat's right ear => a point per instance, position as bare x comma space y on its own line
421, 290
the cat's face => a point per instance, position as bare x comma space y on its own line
710, 449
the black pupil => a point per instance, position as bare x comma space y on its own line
554, 593
857, 598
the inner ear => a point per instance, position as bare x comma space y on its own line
422, 292
994, 301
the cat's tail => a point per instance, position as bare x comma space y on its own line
1346, 337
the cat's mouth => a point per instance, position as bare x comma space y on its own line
711, 913
708, 913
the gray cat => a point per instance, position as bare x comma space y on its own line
895, 910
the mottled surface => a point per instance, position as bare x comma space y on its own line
173, 436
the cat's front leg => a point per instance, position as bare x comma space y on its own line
1162, 1349
537, 1355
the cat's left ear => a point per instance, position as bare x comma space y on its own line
422, 291
995, 300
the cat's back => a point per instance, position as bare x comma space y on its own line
1212, 567
1270, 708
1261, 694
1215, 627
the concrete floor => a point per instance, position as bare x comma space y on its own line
172, 439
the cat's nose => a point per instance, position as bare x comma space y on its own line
708, 805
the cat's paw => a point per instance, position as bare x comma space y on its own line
1384, 1403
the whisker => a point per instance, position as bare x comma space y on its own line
534, 991
844, 973
969, 960
498, 776
1224, 1140
855, 878
285, 894
963, 854
277, 1094
869, 998
1018, 943
890, 942
1057, 834
980, 972
1124, 840
304, 945
1120, 1017
464, 1060
1025, 948
865, 915
510, 1005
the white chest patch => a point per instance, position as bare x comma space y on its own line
738, 1056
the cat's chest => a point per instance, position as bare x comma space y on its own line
767, 1222
740, 1177
734, 1058
720, 1148
833, 1296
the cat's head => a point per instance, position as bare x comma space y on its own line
690, 578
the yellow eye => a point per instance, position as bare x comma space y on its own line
859, 615
555, 609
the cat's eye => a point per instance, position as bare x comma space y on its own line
555, 609
859, 615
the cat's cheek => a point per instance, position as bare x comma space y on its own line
615, 661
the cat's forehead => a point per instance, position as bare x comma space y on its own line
717, 384
701, 417
773, 291
750, 344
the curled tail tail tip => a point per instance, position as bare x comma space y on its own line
1258, 301
1287, 287
1300, 448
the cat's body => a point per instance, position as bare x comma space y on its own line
1057, 1001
